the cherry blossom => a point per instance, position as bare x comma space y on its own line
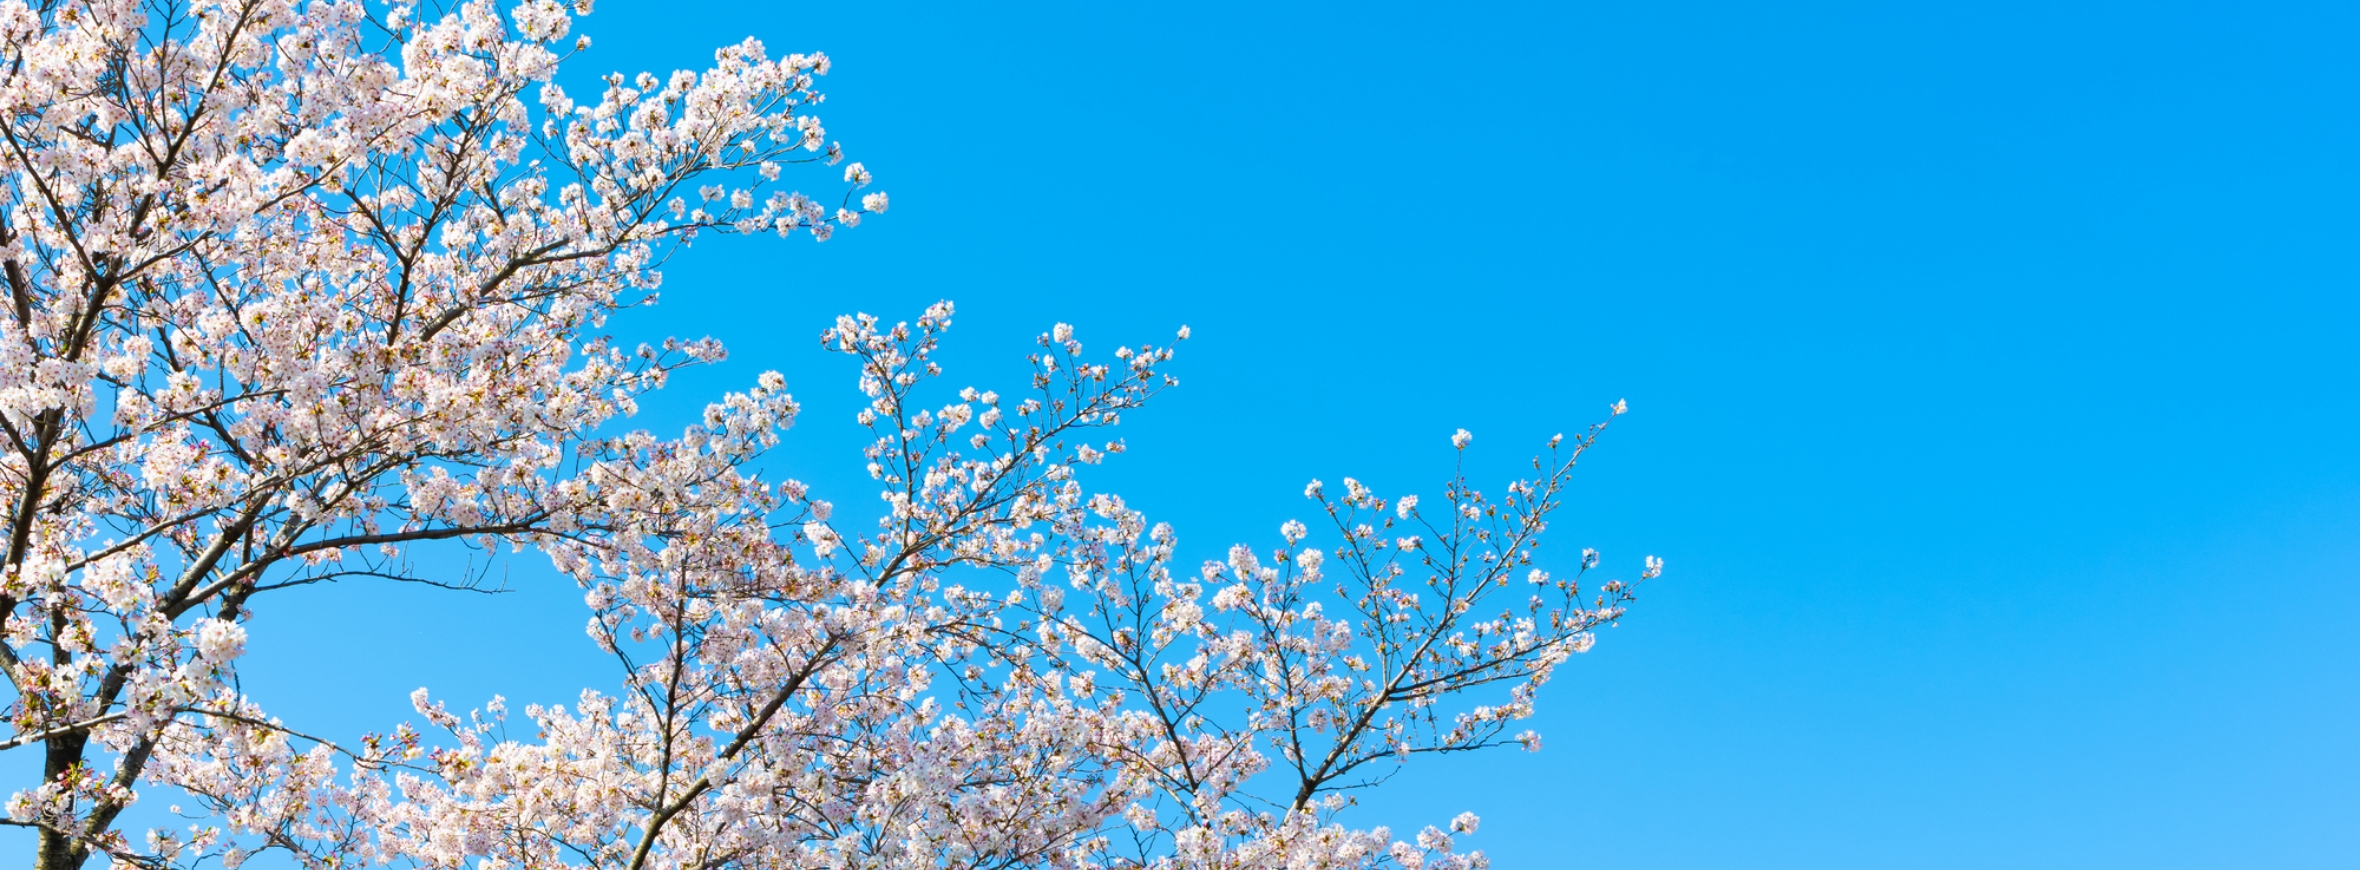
299, 290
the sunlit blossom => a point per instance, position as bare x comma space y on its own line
304, 291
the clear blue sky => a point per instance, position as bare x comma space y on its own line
1992, 370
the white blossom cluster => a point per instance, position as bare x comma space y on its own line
297, 288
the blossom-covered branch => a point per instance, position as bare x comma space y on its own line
290, 283
298, 290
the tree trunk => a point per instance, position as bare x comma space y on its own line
57, 851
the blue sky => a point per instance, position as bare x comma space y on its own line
1991, 371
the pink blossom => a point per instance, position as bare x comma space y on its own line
308, 291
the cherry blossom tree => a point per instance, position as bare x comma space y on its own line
298, 288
